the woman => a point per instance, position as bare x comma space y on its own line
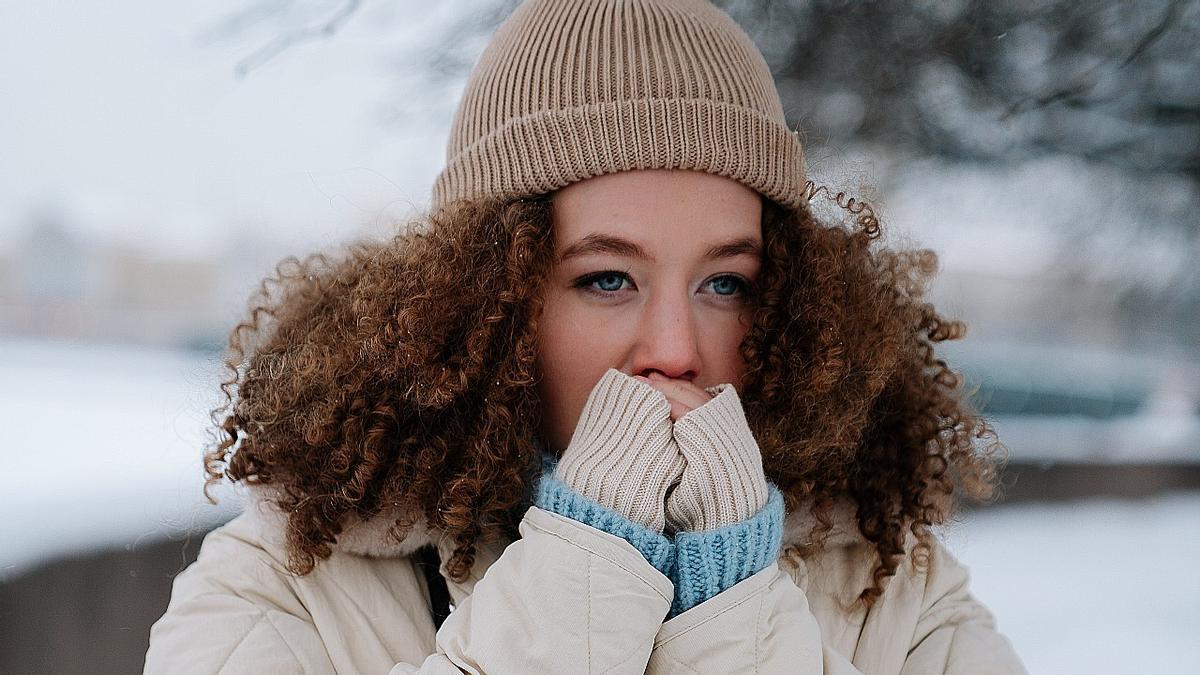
651, 414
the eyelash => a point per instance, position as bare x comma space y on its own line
585, 282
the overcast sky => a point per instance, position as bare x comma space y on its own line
128, 118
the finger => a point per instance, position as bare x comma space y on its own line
657, 386
651, 383
680, 390
678, 409
671, 392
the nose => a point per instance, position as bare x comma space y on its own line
667, 339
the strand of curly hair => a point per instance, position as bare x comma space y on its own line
400, 375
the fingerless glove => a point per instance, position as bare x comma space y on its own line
622, 455
632, 473
723, 481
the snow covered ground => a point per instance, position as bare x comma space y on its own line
101, 446
1095, 586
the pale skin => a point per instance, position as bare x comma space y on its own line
667, 304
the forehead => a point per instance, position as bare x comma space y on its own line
659, 209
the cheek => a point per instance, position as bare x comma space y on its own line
573, 335
720, 349
559, 336
572, 356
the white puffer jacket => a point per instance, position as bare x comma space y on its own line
367, 610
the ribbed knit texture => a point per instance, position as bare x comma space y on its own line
707, 563
622, 454
554, 495
571, 89
723, 482
699, 564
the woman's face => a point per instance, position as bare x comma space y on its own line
652, 273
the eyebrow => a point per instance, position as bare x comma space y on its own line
596, 243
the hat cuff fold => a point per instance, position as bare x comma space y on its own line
551, 149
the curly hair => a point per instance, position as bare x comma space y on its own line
401, 374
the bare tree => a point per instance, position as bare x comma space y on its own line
978, 81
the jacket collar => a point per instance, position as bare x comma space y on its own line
370, 537
359, 537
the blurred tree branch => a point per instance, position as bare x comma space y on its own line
971, 81
267, 10
974, 79
1075, 94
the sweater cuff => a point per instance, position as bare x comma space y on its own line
622, 454
723, 481
554, 495
707, 563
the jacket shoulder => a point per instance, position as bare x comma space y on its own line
234, 606
238, 607
241, 562
928, 620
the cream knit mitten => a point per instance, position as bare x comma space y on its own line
723, 482
622, 454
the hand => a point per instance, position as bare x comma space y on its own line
683, 395
622, 454
723, 480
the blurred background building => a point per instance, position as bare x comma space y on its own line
157, 160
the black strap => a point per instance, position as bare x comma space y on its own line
439, 595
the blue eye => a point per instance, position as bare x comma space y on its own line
610, 282
729, 285
602, 283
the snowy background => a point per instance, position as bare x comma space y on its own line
1099, 585
157, 159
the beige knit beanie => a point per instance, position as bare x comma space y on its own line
571, 89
